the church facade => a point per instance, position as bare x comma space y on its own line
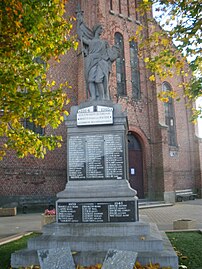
164, 153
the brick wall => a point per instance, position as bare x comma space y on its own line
162, 173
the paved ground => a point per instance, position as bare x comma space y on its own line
163, 216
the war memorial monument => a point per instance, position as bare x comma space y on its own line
97, 212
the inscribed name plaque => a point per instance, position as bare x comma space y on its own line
56, 258
96, 156
98, 115
119, 259
96, 212
94, 118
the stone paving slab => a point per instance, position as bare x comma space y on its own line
20, 223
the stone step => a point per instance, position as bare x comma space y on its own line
100, 243
152, 204
92, 241
165, 258
24, 258
95, 229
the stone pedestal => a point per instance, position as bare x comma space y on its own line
97, 190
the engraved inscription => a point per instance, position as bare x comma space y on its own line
94, 156
69, 212
95, 118
99, 156
113, 156
93, 213
77, 158
96, 212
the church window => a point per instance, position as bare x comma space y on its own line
119, 6
120, 66
136, 13
26, 122
128, 8
111, 5
135, 72
170, 117
31, 126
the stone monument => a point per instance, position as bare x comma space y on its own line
98, 211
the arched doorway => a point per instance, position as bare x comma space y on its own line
135, 165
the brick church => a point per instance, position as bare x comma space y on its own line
164, 151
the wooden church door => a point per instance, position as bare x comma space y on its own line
135, 165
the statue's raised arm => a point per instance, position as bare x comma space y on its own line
98, 58
83, 31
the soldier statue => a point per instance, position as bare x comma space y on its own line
98, 59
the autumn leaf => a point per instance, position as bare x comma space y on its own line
152, 78
146, 60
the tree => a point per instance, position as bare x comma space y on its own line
31, 33
175, 44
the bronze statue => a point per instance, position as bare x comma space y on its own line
98, 58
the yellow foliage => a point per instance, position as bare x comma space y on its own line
137, 265
164, 41
38, 50
18, 24
152, 78
66, 112
146, 60
52, 46
50, 103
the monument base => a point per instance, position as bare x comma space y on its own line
89, 243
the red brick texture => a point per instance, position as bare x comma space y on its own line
165, 169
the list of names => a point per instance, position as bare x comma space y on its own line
96, 212
96, 157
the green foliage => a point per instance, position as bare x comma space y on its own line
7, 249
180, 23
31, 33
188, 246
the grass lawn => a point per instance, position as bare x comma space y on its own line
188, 246
7, 249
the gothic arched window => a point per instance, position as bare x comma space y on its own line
111, 5
120, 66
136, 13
128, 8
120, 7
135, 73
170, 116
31, 126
